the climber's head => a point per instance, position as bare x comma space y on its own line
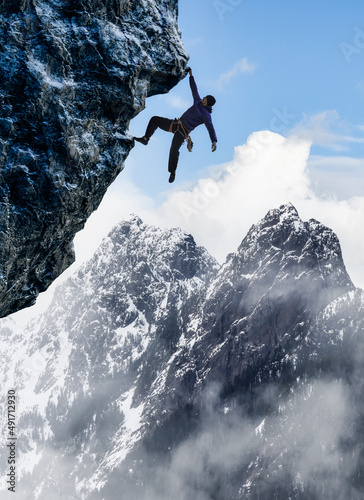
209, 100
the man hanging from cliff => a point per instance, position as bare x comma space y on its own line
196, 115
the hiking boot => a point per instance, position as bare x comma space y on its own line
142, 140
172, 177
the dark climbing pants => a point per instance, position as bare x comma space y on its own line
177, 141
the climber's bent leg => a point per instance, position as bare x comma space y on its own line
157, 122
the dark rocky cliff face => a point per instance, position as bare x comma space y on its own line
158, 374
72, 76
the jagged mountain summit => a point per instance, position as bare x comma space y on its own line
72, 76
156, 373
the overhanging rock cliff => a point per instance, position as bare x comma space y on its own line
73, 75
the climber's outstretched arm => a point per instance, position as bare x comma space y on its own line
195, 94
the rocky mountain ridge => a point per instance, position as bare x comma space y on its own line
157, 373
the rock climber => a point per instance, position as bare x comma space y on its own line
196, 115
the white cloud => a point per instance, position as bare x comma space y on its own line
341, 175
269, 170
218, 210
266, 172
242, 66
326, 129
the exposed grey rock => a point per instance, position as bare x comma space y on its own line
262, 304
72, 76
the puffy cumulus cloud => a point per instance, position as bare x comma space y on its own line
266, 172
218, 210
311, 425
298, 442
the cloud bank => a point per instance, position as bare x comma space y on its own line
218, 210
267, 171
296, 446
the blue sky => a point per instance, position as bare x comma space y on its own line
306, 58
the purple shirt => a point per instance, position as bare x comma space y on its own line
197, 114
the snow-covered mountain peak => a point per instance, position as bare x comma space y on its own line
281, 244
141, 249
116, 374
